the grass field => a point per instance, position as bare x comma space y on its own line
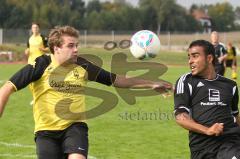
126, 132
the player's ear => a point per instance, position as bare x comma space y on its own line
55, 49
210, 58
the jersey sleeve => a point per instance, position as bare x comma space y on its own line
95, 73
182, 96
235, 110
30, 72
224, 50
28, 43
234, 51
45, 40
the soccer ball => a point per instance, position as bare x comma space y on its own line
145, 45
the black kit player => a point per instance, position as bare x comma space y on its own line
220, 53
58, 82
206, 104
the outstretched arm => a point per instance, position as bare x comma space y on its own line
185, 121
125, 82
5, 91
44, 49
238, 119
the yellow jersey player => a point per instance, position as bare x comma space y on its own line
231, 59
36, 45
58, 82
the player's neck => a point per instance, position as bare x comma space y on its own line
62, 60
36, 34
58, 59
215, 43
210, 73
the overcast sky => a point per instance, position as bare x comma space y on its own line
188, 3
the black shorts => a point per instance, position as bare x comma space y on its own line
220, 69
58, 144
229, 63
229, 149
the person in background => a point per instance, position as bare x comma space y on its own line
220, 53
231, 60
37, 44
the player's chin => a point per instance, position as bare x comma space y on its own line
74, 58
194, 73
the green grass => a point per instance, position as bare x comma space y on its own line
126, 132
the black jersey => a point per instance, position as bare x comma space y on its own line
219, 51
207, 102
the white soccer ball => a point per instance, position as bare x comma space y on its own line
145, 45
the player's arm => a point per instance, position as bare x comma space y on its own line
45, 48
234, 56
234, 106
5, 91
238, 119
185, 121
128, 82
100, 75
224, 56
22, 78
27, 49
182, 109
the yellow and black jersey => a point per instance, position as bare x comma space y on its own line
34, 43
231, 53
57, 87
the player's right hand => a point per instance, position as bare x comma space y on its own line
216, 129
26, 52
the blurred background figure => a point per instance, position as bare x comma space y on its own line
231, 60
220, 53
37, 44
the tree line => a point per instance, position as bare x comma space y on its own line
157, 15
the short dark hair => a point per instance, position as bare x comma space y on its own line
207, 47
35, 23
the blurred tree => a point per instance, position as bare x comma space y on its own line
131, 18
193, 7
4, 12
164, 15
93, 5
168, 15
223, 16
77, 5
237, 18
92, 23
149, 18
12, 16
237, 13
